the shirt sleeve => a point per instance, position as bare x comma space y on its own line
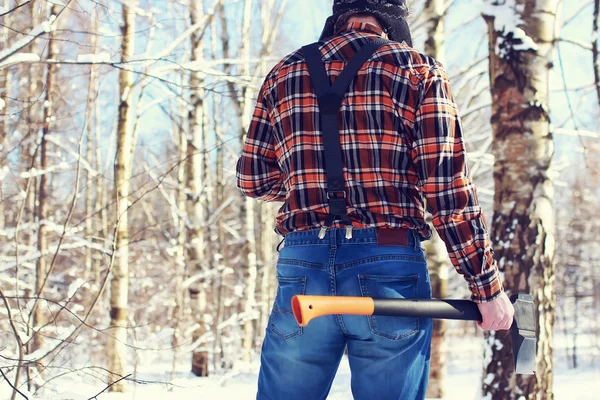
257, 172
438, 152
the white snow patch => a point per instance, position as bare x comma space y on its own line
528, 43
238, 290
75, 286
506, 21
2, 104
498, 344
19, 58
125, 93
489, 378
3, 172
94, 58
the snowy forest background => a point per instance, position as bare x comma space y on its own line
131, 263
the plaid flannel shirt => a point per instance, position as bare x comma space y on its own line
402, 144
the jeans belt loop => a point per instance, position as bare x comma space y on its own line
417, 239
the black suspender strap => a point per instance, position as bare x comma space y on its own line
330, 100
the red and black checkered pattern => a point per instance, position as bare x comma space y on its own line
402, 143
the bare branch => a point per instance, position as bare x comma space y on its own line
11, 385
583, 45
2, 14
106, 388
577, 11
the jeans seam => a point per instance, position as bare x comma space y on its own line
300, 330
333, 276
362, 261
300, 263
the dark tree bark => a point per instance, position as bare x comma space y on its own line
523, 227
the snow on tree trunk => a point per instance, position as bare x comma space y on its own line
196, 258
522, 33
117, 350
435, 250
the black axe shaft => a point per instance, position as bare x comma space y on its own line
430, 308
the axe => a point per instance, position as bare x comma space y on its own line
523, 329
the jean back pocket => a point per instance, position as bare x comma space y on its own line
282, 321
390, 287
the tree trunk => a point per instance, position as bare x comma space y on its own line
596, 47
267, 255
117, 350
220, 246
522, 228
5, 79
434, 45
435, 250
101, 204
437, 262
179, 248
91, 127
40, 312
251, 272
196, 260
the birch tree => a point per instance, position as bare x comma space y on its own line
435, 250
521, 39
92, 134
41, 273
596, 46
119, 289
197, 249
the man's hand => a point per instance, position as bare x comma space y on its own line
497, 314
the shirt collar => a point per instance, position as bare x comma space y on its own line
360, 26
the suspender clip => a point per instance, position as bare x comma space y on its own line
348, 231
336, 191
322, 232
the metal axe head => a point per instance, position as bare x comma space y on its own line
523, 334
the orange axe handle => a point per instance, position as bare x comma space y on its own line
306, 308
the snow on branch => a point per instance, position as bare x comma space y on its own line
8, 262
20, 58
100, 58
44, 27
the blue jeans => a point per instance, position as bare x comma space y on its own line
388, 356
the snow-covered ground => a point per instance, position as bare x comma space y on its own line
462, 385
463, 380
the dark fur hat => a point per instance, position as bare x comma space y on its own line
391, 14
